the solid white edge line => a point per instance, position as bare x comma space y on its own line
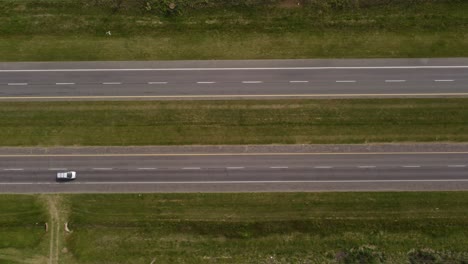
233, 154
234, 182
229, 96
331, 181
243, 69
13, 169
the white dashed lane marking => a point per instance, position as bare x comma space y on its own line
239, 168
245, 82
252, 82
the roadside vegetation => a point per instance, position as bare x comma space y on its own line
268, 228
23, 236
233, 122
403, 227
43, 30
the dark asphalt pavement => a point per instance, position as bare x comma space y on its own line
237, 172
234, 80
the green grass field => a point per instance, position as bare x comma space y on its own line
264, 228
22, 229
236, 228
76, 30
233, 122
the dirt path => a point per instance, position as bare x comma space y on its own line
54, 228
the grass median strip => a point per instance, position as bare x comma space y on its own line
115, 30
233, 122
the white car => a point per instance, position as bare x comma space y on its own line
65, 176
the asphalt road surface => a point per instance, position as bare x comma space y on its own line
236, 172
234, 79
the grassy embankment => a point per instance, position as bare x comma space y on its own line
263, 228
76, 30
22, 229
233, 122
241, 228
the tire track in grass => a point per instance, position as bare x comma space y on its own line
51, 246
54, 229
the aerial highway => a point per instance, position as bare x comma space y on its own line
234, 79
272, 171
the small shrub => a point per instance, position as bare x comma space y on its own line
430, 256
366, 254
425, 255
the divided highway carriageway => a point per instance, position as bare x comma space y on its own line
234, 79
236, 172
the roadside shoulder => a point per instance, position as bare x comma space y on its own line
241, 149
